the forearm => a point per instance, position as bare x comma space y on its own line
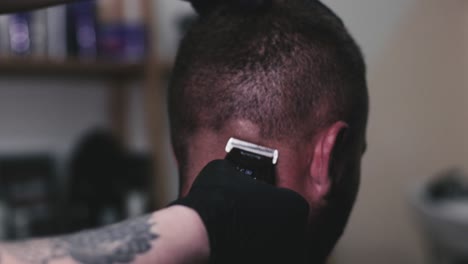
175, 235
9, 6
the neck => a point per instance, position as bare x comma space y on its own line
208, 145
203, 149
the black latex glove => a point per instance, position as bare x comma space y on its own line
248, 221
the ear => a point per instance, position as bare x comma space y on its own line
325, 143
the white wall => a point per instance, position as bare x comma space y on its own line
39, 114
416, 55
168, 14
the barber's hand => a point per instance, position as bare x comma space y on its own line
248, 221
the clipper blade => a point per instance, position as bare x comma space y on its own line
250, 147
253, 160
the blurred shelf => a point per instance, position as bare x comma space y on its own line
75, 68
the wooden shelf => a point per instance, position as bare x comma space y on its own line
70, 67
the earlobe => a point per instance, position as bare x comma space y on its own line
325, 143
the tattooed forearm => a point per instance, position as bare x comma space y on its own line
36, 251
119, 243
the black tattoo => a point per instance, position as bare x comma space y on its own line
119, 243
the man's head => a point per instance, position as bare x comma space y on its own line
284, 74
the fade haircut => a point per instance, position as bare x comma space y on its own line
288, 66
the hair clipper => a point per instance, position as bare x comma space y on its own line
255, 161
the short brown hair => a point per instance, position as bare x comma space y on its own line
290, 67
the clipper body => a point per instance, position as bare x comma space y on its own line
256, 161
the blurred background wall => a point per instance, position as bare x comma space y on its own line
416, 55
